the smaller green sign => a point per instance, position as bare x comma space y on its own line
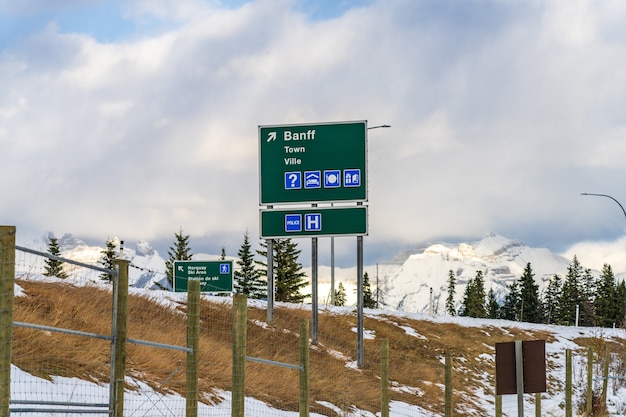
214, 276
313, 222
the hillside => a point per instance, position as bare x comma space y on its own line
418, 344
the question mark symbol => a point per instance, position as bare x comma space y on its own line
293, 178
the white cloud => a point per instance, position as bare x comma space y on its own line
502, 113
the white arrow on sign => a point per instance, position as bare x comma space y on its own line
180, 268
271, 136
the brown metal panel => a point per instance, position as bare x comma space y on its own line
505, 368
534, 357
534, 353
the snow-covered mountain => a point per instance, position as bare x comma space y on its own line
405, 282
147, 266
502, 261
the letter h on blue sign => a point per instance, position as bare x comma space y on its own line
313, 222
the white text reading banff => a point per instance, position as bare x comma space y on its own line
308, 135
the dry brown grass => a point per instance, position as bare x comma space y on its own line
416, 362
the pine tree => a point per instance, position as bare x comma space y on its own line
530, 308
247, 278
510, 308
368, 299
621, 302
474, 297
588, 301
607, 304
180, 251
551, 299
223, 255
493, 307
340, 295
109, 254
451, 292
571, 293
289, 277
54, 267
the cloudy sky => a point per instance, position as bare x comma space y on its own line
137, 118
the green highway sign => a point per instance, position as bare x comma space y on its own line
313, 163
314, 222
214, 276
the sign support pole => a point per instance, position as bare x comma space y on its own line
314, 292
359, 302
519, 377
270, 281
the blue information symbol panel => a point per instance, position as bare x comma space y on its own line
225, 268
332, 178
293, 180
293, 223
312, 179
351, 177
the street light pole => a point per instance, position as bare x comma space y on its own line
360, 354
608, 196
623, 211
332, 242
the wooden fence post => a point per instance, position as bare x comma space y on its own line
448, 386
239, 354
605, 373
589, 380
193, 342
121, 328
7, 278
384, 378
304, 368
568, 383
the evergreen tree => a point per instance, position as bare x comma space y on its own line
492, 305
109, 254
621, 302
223, 255
530, 305
288, 275
510, 308
451, 292
247, 278
588, 300
474, 297
368, 299
551, 298
340, 295
607, 304
54, 267
571, 294
180, 251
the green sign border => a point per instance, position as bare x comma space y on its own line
321, 147
336, 221
224, 283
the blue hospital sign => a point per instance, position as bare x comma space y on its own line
313, 222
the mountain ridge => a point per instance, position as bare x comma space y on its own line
414, 280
